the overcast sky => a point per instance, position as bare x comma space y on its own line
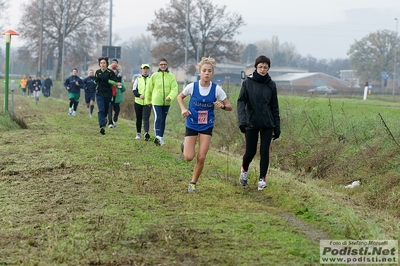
324, 29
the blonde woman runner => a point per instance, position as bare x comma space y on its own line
205, 96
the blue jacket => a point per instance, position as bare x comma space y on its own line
88, 85
71, 84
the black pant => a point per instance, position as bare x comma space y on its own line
142, 114
116, 107
251, 149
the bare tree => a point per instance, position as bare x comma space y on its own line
3, 7
76, 25
211, 27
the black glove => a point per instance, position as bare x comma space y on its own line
275, 136
242, 128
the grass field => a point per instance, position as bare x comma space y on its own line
70, 196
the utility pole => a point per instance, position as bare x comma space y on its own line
395, 58
110, 25
64, 19
198, 41
39, 72
187, 41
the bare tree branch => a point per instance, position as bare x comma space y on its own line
84, 22
213, 23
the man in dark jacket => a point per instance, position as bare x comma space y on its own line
30, 86
258, 114
90, 91
37, 86
48, 83
73, 85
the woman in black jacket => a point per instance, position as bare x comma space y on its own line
258, 114
104, 78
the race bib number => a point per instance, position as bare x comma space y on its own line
203, 117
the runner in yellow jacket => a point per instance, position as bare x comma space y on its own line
22, 85
162, 90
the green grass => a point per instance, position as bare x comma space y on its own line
70, 196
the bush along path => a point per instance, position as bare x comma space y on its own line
71, 196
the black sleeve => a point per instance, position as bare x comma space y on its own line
136, 93
275, 109
241, 105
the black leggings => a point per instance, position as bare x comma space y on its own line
116, 107
74, 104
251, 149
142, 114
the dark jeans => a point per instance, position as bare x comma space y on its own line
46, 92
103, 104
116, 108
251, 149
160, 116
142, 114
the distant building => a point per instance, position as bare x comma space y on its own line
309, 80
277, 71
228, 72
350, 77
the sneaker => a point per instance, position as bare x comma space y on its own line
162, 142
146, 136
91, 115
192, 188
243, 178
182, 146
137, 136
70, 111
157, 141
110, 126
114, 124
73, 113
102, 131
261, 184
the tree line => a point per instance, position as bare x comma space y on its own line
78, 28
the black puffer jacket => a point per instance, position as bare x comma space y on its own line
258, 106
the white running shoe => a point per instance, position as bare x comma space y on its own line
192, 188
70, 111
137, 136
261, 184
110, 126
73, 113
243, 178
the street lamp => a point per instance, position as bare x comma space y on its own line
395, 58
7, 34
